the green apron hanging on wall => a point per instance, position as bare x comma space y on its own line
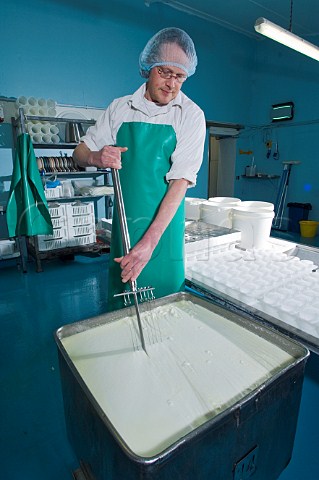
144, 186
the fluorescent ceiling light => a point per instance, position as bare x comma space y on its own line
273, 31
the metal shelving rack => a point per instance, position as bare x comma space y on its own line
19, 124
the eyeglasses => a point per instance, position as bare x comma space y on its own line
168, 74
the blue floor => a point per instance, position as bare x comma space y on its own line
33, 443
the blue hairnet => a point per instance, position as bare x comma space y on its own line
161, 50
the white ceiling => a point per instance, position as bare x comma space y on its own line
240, 15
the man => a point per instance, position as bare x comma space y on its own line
159, 135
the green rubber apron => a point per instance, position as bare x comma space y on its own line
144, 186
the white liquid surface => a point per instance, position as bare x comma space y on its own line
198, 364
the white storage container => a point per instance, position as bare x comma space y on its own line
80, 230
257, 206
255, 226
79, 208
58, 233
58, 222
78, 220
192, 208
57, 210
46, 245
73, 225
82, 241
217, 211
6, 247
53, 192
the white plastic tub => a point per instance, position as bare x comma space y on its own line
217, 211
192, 208
256, 206
255, 226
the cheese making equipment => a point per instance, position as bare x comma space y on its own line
230, 413
145, 293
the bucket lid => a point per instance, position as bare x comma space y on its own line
226, 200
211, 206
257, 205
246, 212
194, 199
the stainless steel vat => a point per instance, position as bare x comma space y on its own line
252, 438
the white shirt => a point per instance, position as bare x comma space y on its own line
183, 114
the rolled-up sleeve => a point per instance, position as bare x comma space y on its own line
100, 134
188, 155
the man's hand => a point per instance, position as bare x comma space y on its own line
133, 263
107, 157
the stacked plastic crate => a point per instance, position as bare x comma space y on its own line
73, 225
81, 223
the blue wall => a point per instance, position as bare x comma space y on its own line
281, 75
86, 53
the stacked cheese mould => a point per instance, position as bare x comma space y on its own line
73, 225
252, 218
40, 132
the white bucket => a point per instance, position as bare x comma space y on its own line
225, 200
192, 208
218, 211
256, 206
255, 226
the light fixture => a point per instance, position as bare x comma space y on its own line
286, 37
282, 111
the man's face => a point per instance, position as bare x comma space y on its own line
162, 90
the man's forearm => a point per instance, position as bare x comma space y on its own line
167, 210
133, 263
81, 155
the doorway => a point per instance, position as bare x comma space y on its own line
222, 160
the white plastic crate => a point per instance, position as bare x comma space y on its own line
6, 247
82, 241
58, 233
81, 230
57, 210
78, 220
58, 222
53, 192
45, 245
79, 208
